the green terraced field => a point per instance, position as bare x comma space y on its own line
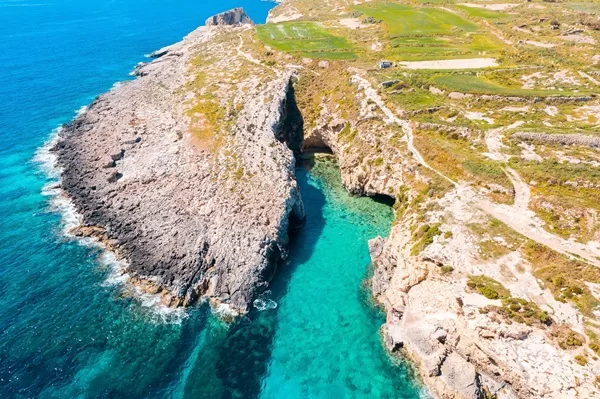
431, 47
403, 20
424, 33
305, 38
480, 85
482, 12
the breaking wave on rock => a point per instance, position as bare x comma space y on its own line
263, 302
59, 203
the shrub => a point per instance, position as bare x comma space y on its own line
595, 347
522, 311
570, 341
581, 360
425, 236
446, 269
488, 287
371, 20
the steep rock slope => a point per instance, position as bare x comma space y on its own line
175, 186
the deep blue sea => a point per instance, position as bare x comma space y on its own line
69, 328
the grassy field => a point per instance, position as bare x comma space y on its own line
482, 85
454, 158
403, 20
425, 33
306, 39
482, 12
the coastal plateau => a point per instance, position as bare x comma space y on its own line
478, 120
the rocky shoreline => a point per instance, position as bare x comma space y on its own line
187, 172
130, 166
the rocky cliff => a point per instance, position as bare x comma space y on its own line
503, 335
187, 173
237, 16
197, 201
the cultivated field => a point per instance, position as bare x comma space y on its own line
309, 39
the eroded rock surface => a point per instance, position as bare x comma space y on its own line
237, 16
183, 199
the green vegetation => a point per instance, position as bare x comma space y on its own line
569, 340
404, 20
453, 156
421, 33
520, 310
563, 194
488, 287
595, 347
206, 116
563, 276
581, 360
478, 84
446, 269
482, 12
307, 39
424, 237
329, 86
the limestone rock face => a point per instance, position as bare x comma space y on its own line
236, 16
460, 351
190, 218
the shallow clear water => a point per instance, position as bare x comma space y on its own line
68, 329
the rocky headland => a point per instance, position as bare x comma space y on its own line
490, 275
190, 220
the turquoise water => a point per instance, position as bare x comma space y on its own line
68, 328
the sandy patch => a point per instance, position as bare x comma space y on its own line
551, 110
549, 81
493, 7
377, 46
351, 23
540, 44
575, 161
478, 116
579, 39
289, 16
519, 29
528, 152
524, 108
472, 63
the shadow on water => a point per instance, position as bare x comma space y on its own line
244, 349
384, 199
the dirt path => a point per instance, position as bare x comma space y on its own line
245, 55
522, 192
466, 63
493, 141
517, 216
391, 117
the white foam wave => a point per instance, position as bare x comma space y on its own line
158, 311
117, 267
224, 311
263, 302
81, 111
59, 203
46, 159
116, 85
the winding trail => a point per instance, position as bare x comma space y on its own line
517, 216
